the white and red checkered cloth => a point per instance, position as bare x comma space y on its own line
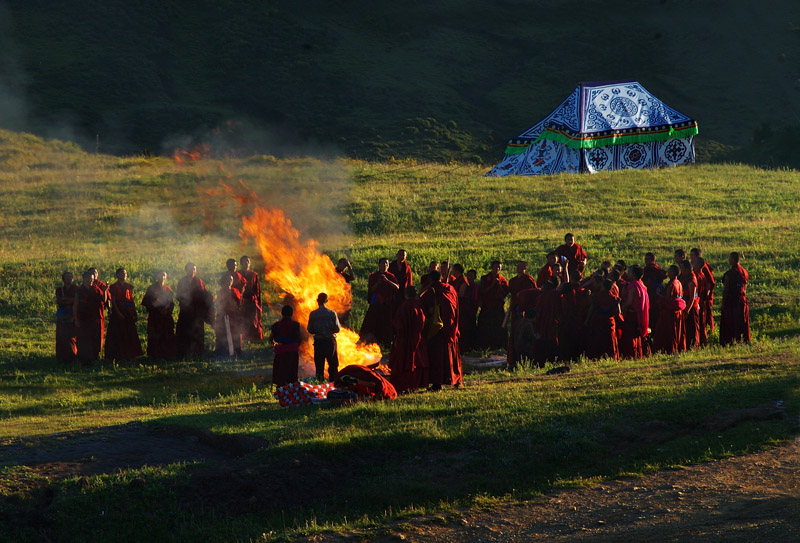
300, 393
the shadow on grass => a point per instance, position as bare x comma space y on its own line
328, 465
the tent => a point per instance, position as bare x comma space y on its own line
612, 125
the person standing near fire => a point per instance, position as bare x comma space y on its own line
323, 324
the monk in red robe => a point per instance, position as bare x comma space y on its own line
734, 322
690, 337
546, 271
194, 311
345, 269
707, 294
653, 277
160, 302
602, 339
251, 311
444, 357
518, 283
546, 322
122, 339
667, 333
636, 311
574, 254
400, 268
680, 256
408, 360
704, 305
575, 303
493, 292
285, 338
229, 300
468, 304
89, 312
382, 288
66, 346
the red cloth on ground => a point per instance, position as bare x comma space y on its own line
377, 323
159, 302
383, 390
251, 310
602, 332
667, 334
408, 360
66, 336
90, 326
444, 356
575, 257
194, 310
122, 339
734, 322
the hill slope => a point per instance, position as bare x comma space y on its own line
440, 81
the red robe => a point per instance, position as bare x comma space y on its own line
382, 389
377, 325
493, 292
405, 278
122, 339
516, 284
602, 332
444, 356
544, 275
636, 322
690, 333
66, 342
653, 277
409, 357
572, 327
90, 327
704, 306
667, 333
575, 257
194, 311
228, 302
159, 302
467, 315
286, 346
734, 322
548, 316
708, 271
251, 308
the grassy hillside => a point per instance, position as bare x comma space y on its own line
505, 436
440, 81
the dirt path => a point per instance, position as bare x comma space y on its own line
753, 499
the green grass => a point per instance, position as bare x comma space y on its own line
503, 437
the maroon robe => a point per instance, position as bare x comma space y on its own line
572, 327
653, 277
251, 308
409, 357
602, 332
381, 388
405, 278
66, 340
734, 322
228, 303
90, 325
544, 275
667, 333
194, 310
708, 271
444, 356
636, 322
690, 333
493, 292
467, 316
377, 323
516, 284
575, 257
286, 346
122, 339
160, 303
704, 306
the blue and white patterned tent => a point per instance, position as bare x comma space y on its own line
602, 126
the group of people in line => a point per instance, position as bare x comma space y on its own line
618, 311
81, 315
560, 315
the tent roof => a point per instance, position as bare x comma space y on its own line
597, 114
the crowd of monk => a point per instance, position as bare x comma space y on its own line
561, 315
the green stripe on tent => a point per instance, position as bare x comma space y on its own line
617, 139
517, 149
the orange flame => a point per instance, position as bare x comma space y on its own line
299, 269
197, 152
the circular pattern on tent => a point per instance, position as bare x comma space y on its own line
675, 150
634, 155
624, 107
597, 158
